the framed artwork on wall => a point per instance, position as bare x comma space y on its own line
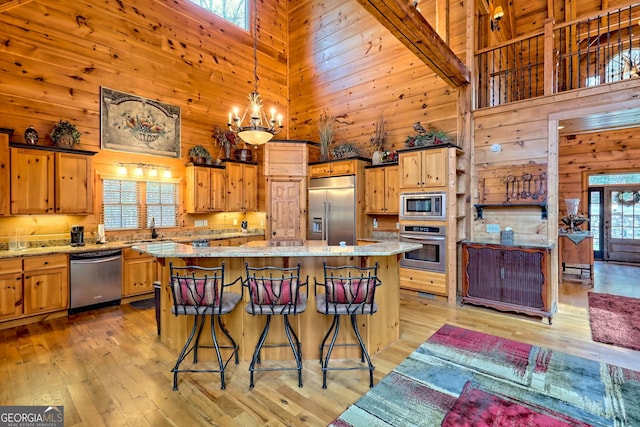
134, 124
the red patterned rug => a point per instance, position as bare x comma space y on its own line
460, 377
615, 320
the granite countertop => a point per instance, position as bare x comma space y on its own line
91, 247
265, 250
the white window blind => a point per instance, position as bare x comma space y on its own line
121, 203
234, 11
162, 204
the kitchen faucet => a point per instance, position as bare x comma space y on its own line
154, 232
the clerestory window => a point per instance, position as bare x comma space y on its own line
234, 11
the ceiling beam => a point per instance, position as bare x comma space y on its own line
409, 26
10, 4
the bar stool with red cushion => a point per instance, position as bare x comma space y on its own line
276, 291
200, 292
346, 291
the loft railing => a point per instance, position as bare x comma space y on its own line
581, 53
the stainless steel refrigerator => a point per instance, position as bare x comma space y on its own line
332, 210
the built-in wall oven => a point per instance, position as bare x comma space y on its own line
432, 256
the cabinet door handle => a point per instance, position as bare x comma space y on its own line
502, 272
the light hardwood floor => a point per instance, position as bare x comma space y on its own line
107, 366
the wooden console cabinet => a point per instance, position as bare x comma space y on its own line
508, 278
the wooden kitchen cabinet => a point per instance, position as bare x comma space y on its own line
205, 189
242, 181
45, 182
5, 175
139, 271
333, 168
423, 281
32, 183
508, 278
73, 184
423, 169
46, 283
11, 294
382, 190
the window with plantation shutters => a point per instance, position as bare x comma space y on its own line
131, 205
121, 204
162, 204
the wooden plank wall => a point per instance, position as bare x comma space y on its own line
523, 132
57, 54
527, 133
344, 62
592, 153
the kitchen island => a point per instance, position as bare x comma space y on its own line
378, 330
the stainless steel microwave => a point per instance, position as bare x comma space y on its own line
423, 205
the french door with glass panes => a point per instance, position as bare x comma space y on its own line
621, 231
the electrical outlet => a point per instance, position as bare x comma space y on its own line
493, 228
261, 224
375, 222
235, 221
198, 223
205, 222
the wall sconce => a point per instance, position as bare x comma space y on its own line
498, 13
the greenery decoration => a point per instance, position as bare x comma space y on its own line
326, 126
426, 137
199, 151
65, 133
380, 136
343, 151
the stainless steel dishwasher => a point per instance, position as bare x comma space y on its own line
95, 279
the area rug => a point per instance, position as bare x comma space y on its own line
615, 320
460, 377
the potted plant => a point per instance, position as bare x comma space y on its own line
65, 133
199, 155
225, 139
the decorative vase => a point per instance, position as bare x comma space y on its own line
377, 157
227, 150
31, 136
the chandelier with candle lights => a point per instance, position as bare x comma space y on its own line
258, 129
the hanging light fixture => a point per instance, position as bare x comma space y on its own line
259, 129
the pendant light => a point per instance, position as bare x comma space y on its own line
258, 129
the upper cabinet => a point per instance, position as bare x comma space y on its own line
382, 190
333, 168
73, 183
205, 189
423, 169
5, 174
45, 182
242, 191
31, 181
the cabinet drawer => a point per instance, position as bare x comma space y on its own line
423, 281
42, 262
11, 265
